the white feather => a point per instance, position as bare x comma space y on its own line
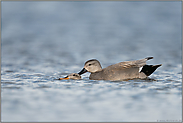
140, 68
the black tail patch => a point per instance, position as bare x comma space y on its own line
149, 69
149, 58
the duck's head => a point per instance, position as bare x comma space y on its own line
71, 76
91, 66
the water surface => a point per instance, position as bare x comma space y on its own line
42, 41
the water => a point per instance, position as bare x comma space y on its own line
42, 41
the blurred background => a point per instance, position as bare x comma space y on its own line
46, 40
70, 33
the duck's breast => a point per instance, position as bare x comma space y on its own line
96, 76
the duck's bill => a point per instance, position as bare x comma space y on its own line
64, 78
82, 71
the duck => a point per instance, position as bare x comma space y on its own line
121, 71
71, 76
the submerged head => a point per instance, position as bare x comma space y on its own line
91, 66
71, 76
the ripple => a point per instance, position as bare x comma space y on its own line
39, 81
9, 71
39, 75
11, 88
43, 86
8, 83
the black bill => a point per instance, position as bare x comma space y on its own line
82, 71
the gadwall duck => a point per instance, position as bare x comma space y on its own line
120, 71
71, 76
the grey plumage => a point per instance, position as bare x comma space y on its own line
119, 71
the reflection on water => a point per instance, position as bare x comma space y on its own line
40, 45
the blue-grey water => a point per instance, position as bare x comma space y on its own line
42, 41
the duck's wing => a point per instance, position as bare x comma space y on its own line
130, 64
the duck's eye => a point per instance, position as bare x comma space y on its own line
74, 74
89, 65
